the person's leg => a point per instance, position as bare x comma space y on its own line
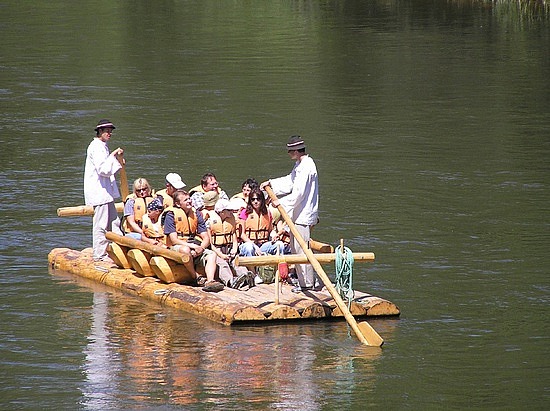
99, 227
247, 249
271, 248
224, 271
114, 220
305, 272
190, 264
135, 236
209, 262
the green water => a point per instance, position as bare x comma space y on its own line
430, 126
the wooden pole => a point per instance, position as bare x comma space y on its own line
277, 280
150, 248
124, 191
298, 259
366, 334
83, 210
320, 247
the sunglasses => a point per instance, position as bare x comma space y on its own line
141, 189
255, 199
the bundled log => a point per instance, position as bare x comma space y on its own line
83, 210
150, 248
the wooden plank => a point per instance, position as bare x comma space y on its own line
261, 260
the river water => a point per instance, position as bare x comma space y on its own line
430, 125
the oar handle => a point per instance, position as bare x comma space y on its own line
372, 337
124, 191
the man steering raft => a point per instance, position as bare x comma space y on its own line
100, 188
301, 200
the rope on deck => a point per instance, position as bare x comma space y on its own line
344, 273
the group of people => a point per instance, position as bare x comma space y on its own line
203, 222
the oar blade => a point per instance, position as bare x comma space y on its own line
370, 334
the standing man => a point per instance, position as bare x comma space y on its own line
301, 200
100, 188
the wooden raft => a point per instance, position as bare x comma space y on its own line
229, 306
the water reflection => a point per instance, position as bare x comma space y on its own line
101, 366
139, 353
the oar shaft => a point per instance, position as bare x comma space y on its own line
324, 258
123, 180
372, 337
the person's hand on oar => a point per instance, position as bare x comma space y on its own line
119, 154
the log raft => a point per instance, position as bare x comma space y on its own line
228, 306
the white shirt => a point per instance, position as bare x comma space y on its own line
99, 174
301, 192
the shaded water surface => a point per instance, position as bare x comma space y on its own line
430, 126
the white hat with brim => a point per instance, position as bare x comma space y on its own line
175, 180
224, 204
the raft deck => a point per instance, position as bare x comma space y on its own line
228, 306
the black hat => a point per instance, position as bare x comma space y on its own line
104, 124
295, 143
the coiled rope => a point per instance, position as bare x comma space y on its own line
344, 273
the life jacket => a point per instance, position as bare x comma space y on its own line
186, 225
152, 230
167, 200
199, 189
222, 232
239, 195
196, 189
140, 209
257, 228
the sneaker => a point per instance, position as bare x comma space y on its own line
213, 286
250, 279
258, 280
200, 281
240, 281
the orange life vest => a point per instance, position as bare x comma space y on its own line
186, 225
140, 209
152, 230
257, 227
167, 200
222, 231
